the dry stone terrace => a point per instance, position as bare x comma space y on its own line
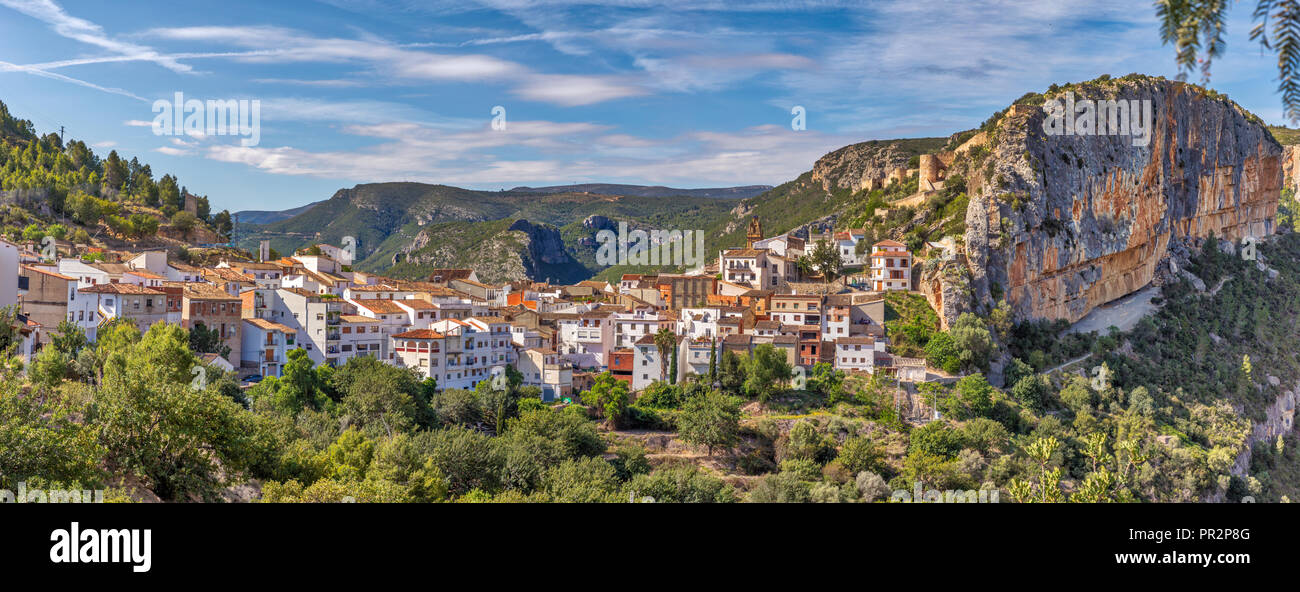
461, 331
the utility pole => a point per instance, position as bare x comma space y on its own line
61, 135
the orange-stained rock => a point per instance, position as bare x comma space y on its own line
1210, 167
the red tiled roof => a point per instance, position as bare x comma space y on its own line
378, 306
420, 334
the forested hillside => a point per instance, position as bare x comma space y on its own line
69, 192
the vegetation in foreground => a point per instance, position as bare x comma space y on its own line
126, 413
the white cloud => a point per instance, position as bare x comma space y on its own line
572, 90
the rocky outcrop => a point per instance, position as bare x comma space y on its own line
867, 165
544, 242
1063, 223
1279, 420
1291, 166
946, 286
596, 222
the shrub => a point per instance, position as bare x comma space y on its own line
871, 487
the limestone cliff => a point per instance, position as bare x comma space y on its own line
1061, 224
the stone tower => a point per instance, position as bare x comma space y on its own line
755, 232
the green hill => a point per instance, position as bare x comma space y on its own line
52, 188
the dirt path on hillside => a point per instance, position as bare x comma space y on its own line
1123, 313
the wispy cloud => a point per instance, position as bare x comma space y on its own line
10, 67
390, 59
545, 151
89, 33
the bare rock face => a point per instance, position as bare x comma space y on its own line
946, 286
1061, 224
1291, 166
858, 166
544, 242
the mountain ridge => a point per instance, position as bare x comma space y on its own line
738, 192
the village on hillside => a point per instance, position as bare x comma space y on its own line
459, 331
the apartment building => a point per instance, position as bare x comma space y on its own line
746, 267
316, 319
393, 319
362, 336
473, 349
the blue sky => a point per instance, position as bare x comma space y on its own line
690, 93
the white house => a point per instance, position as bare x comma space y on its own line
587, 338
632, 326
362, 336
87, 275
646, 368
857, 353
8, 273
265, 346
543, 368
891, 266
424, 350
